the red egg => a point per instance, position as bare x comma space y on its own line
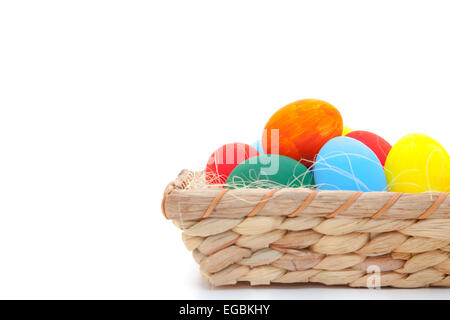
225, 159
376, 143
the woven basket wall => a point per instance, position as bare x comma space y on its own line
296, 235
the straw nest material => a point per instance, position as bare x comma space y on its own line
296, 235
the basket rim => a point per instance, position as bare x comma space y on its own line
197, 204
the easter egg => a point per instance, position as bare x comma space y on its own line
346, 130
376, 143
258, 146
418, 163
225, 159
300, 129
270, 171
347, 164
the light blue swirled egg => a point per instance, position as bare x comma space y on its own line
345, 163
258, 146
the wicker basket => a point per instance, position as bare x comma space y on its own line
296, 235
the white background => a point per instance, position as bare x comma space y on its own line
102, 103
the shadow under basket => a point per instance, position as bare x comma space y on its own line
297, 235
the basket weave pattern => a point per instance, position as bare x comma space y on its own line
299, 236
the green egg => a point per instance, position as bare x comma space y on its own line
270, 171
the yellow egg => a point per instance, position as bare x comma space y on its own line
346, 130
416, 164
